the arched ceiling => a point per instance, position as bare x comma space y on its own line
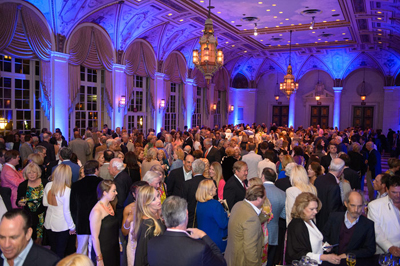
168, 25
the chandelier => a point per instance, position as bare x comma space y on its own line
319, 88
363, 89
209, 59
288, 86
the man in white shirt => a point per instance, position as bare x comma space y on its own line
252, 159
385, 212
266, 163
178, 176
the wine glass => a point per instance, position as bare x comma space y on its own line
305, 260
384, 259
351, 259
295, 263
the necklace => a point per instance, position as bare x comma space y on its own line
108, 208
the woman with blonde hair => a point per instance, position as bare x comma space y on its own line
300, 183
151, 159
210, 215
100, 158
58, 221
30, 197
39, 160
196, 143
215, 173
178, 155
75, 260
104, 225
286, 159
147, 221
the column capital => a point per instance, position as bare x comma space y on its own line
391, 88
337, 89
189, 81
119, 67
159, 75
60, 57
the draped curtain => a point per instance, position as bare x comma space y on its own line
91, 52
24, 35
175, 69
139, 60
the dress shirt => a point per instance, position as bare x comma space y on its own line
3, 208
378, 195
187, 175
316, 238
241, 182
257, 210
20, 259
348, 223
207, 151
12, 166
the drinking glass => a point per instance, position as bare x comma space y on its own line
351, 259
295, 263
384, 259
305, 260
313, 263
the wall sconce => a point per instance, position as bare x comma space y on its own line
121, 103
363, 97
214, 106
231, 108
317, 97
161, 105
276, 97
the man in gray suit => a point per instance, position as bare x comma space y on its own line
103, 171
277, 198
26, 148
80, 147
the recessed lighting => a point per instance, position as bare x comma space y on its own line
277, 26
233, 45
286, 19
280, 34
319, 39
181, 20
273, 4
266, 27
313, 32
344, 33
291, 24
379, 42
280, 12
270, 45
201, 1
227, 42
333, 10
287, 44
300, 24
347, 40
324, 21
279, 45
336, 40
245, 29
379, 30
245, 51
275, 16
288, 41
261, 40
326, 41
338, 20
260, 3
170, 14
379, 34
316, 42
219, 12
379, 18
232, 21
268, 10
297, 43
280, 22
379, 12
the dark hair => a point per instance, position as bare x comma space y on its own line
108, 155
106, 185
263, 145
137, 185
197, 154
346, 159
131, 160
28, 137
90, 167
13, 213
316, 167
269, 174
11, 154
74, 158
66, 153
393, 181
284, 152
298, 151
269, 155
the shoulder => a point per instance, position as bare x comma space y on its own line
296, 223
377, 203
365, 221
46, 256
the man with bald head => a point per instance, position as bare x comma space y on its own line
329, 191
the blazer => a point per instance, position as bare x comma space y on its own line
178, 249
74, 168
298, 241
123, 182
80, 148
245, 241
213, 155
353, 177
387, 230
227, 166
104, 173
5, 194
82, 200
362, 242
234, 191
24, 151
100, 148
50, 151
38, 256
11, 178
175, 182
277, 198
374, 163
329, 194
326, 161
189, 193
283, 183
189, 142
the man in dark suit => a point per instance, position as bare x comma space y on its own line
59, 140
82, 200
326, 160
349, 174
5, 193
178, 176
176, 246
235, 187
15, 240
65, 158
329, 191
212, 154
187, 140
284, 183
50, 152
190, 188
353, 232
123, 182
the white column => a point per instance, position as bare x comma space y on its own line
119, 87
189, 101
391, 108
59, 93
292, 108
159, 93
336, 107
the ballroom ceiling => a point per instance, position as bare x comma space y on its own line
177, 24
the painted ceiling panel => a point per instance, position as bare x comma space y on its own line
105, 18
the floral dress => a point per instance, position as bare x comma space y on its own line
268, 211
34, 203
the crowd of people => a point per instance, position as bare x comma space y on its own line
236, 195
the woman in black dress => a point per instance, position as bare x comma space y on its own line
104, 226
132, 166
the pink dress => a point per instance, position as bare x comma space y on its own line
221, 186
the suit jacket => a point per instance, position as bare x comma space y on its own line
189, 142
283, 183
357, 162
82, 200
80, 148
24, 151
104, 173
227, 166
50, 152
213, 155
38, 256
234, 191
175, 182
277, 198
11, 178
387, 230
178, 249
329, 194
74, 168
326, 161
100, 148
123, 182
5, 194
362, 242
374, 163
245, 241
189, 193
353, 177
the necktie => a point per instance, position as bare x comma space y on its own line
244, 185
205, 156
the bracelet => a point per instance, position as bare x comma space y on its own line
126, 228
99, 258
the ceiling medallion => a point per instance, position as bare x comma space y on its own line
311, 12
